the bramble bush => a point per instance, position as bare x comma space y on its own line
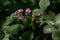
34, 22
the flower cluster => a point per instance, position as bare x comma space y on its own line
27, 13
20, 11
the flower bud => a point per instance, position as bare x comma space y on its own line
38, 14
21, 18
20, 11
27, 11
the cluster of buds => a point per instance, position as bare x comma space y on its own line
35, 16
20, 11
27, 12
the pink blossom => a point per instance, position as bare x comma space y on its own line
38, 14
28, 10
21, 18
20, 10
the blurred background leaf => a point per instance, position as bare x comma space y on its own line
12, 29
57, 19
2, 34
48, 29
27, 35
44, 4
49, 16
56, 35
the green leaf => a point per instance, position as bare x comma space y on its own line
50, 22
8, 20
32, 25
12, 29
27, 21
49, 16
27, 35
6, 37
57, 19
44, 4
56, 35
48, 29
2, 34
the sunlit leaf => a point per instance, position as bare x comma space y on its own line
44, 4
48, 29
6, 37
56, 35
57, 19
